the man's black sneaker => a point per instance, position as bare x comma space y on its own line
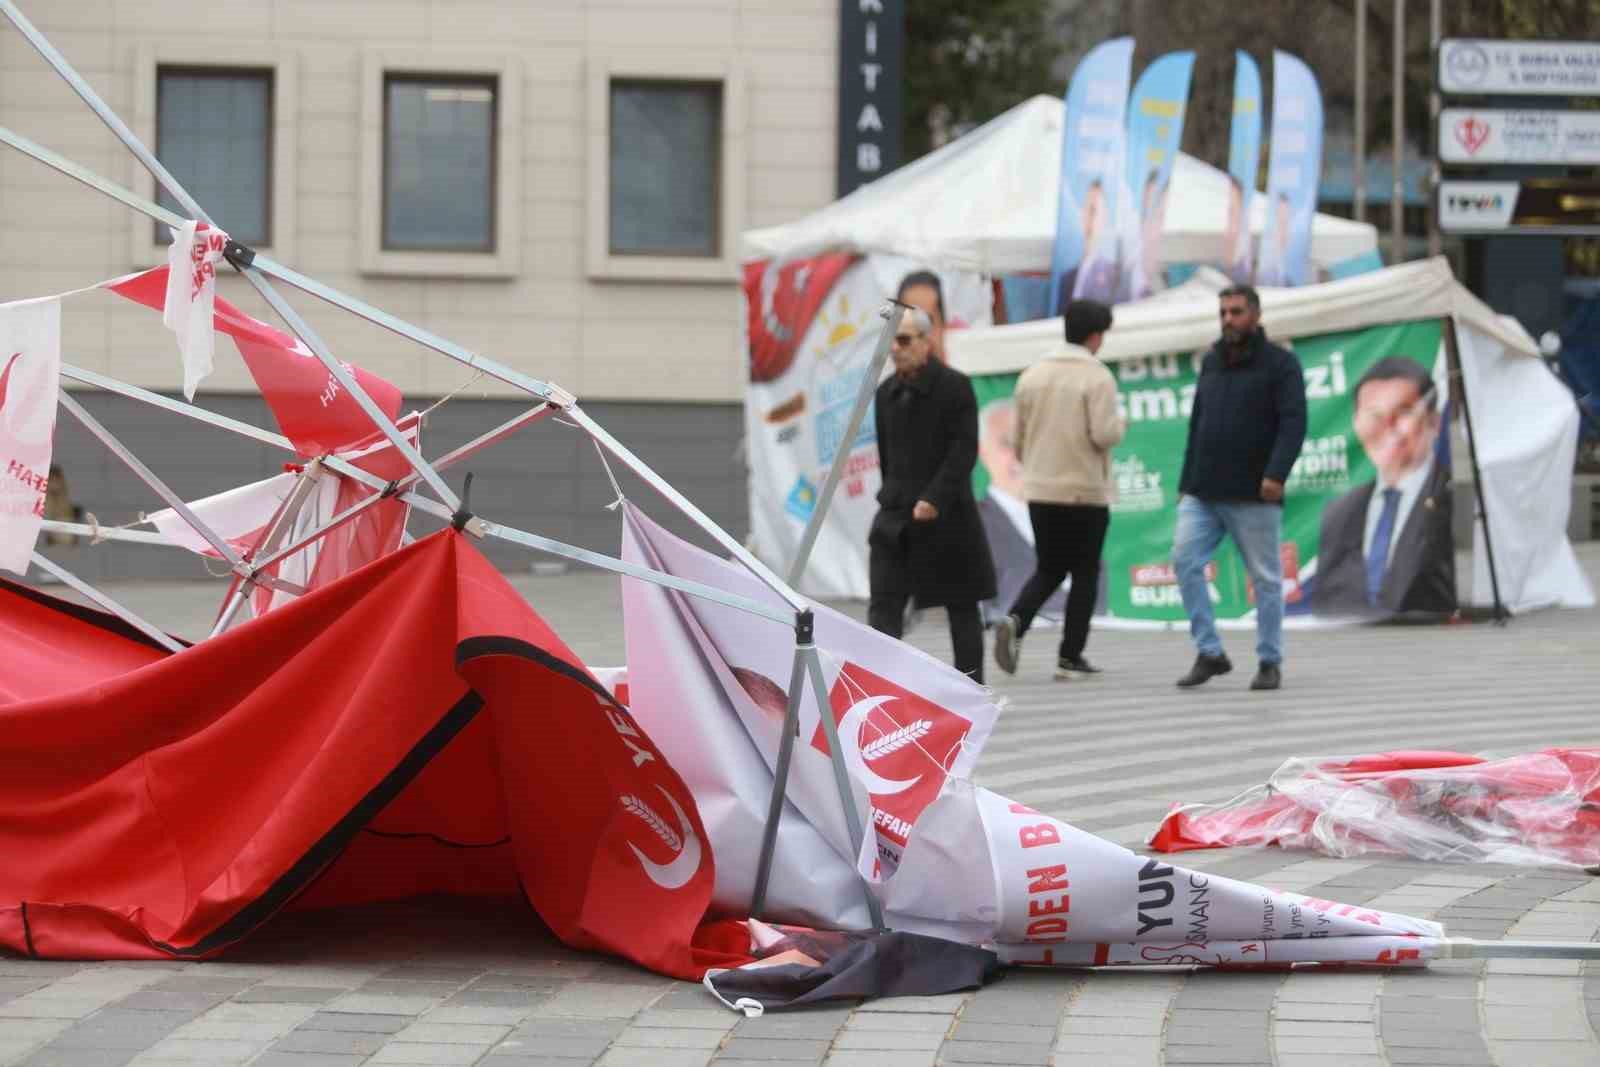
1007, 644
1205, 668
1067, 669
1268, 677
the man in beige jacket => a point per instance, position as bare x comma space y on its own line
1067, 425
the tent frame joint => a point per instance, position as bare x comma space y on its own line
240, 255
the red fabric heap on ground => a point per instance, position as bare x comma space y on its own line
414, 727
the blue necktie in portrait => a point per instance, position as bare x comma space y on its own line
1378, 553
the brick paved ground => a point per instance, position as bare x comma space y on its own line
445, 982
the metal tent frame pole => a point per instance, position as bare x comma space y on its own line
1458, 381
127, 615
239, 257
256, 269
305, 482
869, 385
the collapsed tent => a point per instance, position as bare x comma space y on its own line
1535, 809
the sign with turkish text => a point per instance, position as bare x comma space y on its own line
1552, 68
871, 89
1393, 434
1490, 135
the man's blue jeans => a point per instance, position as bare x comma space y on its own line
1257, 529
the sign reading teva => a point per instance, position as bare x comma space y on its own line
1556, 68
871, 76
1471, 135
1473, 206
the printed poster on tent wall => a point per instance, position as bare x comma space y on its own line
812, 326
1367, 518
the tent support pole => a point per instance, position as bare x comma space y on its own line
242, 263
841, 776
682, 503
1458, 381
780, 780
149, 477
889, 313
553, 395
808, 666
1460, 948
269, 542
89, 591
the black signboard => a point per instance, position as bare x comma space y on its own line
871, 89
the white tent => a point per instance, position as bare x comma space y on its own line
986, 203
1523, 419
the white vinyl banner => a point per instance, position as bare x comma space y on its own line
191, 297
799, 403
30, 383
1053, 895
906, 721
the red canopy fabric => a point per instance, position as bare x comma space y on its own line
414, 727
312, 409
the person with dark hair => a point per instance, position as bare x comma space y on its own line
923, 291
1386, 546
1245, 431
926, 543
1067, 425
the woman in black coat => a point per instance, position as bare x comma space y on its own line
927, 542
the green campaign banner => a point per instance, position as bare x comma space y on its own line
1402, 420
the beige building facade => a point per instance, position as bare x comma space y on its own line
538, 273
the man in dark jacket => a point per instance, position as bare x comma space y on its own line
927, 541
1245, 432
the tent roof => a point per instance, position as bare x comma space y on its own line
986, 203
1185, 319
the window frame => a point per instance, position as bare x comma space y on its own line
504, 73
282, 67
688, 68
717, 234
490, 82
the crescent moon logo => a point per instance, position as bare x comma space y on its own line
5, 377
674, 875
850, 745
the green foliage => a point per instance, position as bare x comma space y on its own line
969, 60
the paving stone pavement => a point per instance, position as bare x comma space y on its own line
447, 982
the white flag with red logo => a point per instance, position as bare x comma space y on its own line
30, 382
906, 721
191, 297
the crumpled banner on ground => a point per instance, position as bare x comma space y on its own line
1534, 809
797, 967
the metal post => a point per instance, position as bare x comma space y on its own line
1458, 386
1397, 201
853, 819
869, 384
127, 616
261, 285
1435, 32
1359, 163
281, 522
780, 781
551, 393
146, 475
678, 500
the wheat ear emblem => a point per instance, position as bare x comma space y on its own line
895, 740
635, 806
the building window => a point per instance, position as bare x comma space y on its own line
214, 132
439, 160
666, 159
